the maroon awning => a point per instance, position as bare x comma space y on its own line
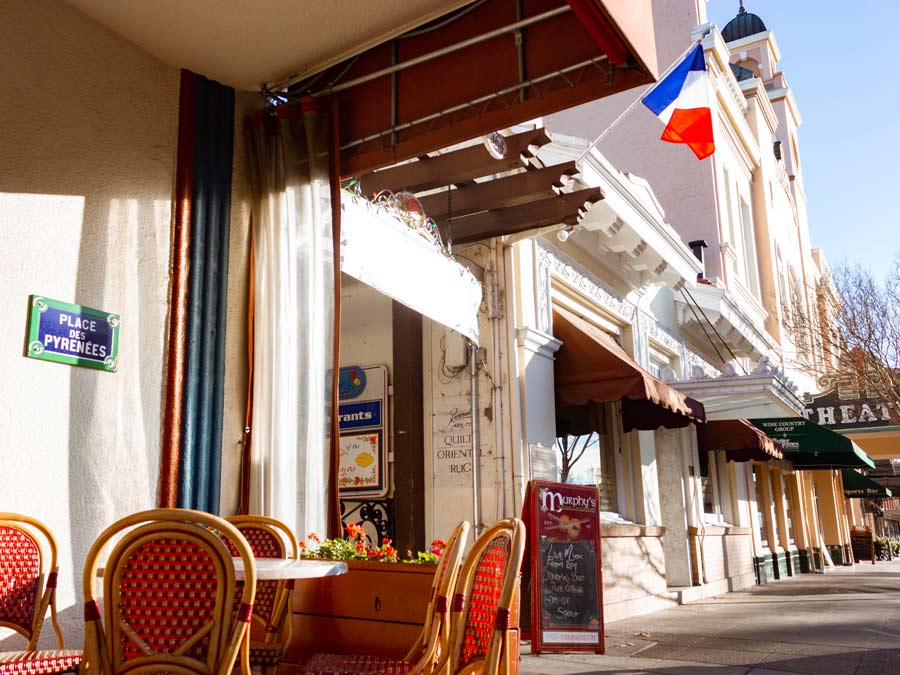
591, 367
741, 441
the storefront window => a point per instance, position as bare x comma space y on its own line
787, 510
708, 483
711, 473
761, 505
589, 459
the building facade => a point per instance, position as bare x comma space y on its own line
755, 313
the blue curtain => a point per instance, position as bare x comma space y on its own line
199, 475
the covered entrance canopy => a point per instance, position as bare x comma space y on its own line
741, 441
811, 446
857, 485
591, 368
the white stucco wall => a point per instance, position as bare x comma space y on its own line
89, 143
367, 331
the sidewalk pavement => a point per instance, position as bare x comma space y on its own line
845, 622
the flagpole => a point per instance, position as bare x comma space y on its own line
633, 105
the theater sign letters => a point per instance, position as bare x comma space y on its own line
72, 334
843, 412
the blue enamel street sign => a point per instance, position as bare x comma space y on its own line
72, 334
359, 415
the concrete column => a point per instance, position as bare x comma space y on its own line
844, 509
671, 465
648, 486
759, 544
768, 506
798, 511
855, 513
812, 524
830, 512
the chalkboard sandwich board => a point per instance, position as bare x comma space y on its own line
863, 544
566, 589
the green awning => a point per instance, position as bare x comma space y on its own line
857, 485
811, 446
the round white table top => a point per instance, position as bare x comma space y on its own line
270, 569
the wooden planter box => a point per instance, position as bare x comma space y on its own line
376, 608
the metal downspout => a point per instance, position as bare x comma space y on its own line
496, 384
476, 482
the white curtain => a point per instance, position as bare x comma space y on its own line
294, 319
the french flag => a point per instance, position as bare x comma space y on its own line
681, 102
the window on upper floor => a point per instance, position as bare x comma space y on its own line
728, 222
751, 264
661, 360
750, 64
795, 153
799, 317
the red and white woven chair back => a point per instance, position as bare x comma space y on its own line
268, 538
28, 572
20, 578
168, 589
483, 604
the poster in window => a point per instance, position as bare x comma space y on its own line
362, 419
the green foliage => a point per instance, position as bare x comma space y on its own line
424, 558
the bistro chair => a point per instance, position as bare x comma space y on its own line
481, 606
269, 538
168, 591
435, 632
28, 573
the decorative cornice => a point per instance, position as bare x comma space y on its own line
561, 265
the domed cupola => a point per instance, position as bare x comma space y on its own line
743, 25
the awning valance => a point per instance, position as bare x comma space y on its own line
857, 485
811, 446
387, 255
591, 367
741, 441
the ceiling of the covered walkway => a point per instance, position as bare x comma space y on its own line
245, 43
402, 93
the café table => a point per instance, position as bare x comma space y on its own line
271, 569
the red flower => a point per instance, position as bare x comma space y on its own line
355, 531
314, 537
302, 545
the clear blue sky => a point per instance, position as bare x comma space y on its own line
840, 59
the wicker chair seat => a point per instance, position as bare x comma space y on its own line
42, 662
355, 664
266, 653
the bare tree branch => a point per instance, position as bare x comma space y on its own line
852, 339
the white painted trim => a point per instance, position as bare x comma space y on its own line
584, 307
536, 342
